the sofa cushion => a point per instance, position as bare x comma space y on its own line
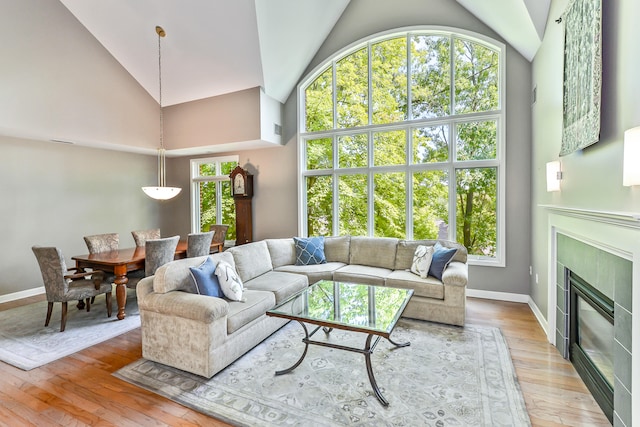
428, 288
336, 249
373, 251
251, 259
205, 279
282, 251
175, 275
280, 283
441, 258
313, 272
309, 250
362, 274
255, 304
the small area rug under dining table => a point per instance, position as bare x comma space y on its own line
449, 376
26, 343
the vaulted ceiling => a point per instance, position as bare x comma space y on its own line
213, 47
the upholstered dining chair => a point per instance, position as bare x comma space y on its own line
199, 244
220, 233
158, 252
102, 242
61, 286
97, 243
141, 236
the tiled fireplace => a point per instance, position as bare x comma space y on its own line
603, 250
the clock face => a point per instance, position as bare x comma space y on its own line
238, 185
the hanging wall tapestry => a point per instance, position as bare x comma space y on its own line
582, 75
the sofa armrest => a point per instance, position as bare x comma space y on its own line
186, 305
456, 274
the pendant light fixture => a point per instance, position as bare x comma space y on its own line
161, 192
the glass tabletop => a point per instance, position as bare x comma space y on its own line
342, 305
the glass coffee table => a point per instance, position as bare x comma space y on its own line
372, 310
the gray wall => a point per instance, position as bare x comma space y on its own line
275, 203
275, 192
592, 178
58, 82
54, 194
365, 17
86, 96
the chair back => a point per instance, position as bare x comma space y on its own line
53, 267
141, 236
199, 244
220, 233
158, 252
102, 242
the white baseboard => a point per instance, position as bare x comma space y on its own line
22, 294
521, 298
542, 321
501, 296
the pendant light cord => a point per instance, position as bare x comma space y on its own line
161, 152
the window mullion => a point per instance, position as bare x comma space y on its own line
369, 86
336, 191
452, 182
409, 85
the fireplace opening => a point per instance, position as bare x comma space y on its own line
591, 340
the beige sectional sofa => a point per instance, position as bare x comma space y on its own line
202, 334
385, 261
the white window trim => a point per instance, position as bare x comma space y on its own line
196, 179
500, 116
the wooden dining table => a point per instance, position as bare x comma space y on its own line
123, 261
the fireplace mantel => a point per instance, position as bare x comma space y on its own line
621, 219
618, 233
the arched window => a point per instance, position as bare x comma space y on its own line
402, 135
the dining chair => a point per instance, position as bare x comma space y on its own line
158, 252
220, 233
61, 286
199, 244
97, 243
102, 242
141, 236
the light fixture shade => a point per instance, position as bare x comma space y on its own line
553, 176
631, 158
161, 193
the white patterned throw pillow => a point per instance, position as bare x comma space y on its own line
229, 281
422, 260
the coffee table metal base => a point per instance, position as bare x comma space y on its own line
367, 350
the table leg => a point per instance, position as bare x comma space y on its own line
304, 353
121, 281
367, 357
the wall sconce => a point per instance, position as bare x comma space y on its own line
554, 175
631, 157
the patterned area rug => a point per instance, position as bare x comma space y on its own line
26, 343
449, 376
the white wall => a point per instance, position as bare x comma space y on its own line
592, 178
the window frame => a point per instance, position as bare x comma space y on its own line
452, 120
196, 179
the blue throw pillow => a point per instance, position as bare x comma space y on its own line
309, 250
205, 278
441, 258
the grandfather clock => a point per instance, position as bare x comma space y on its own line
242, 192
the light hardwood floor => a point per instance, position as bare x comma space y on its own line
80, 390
